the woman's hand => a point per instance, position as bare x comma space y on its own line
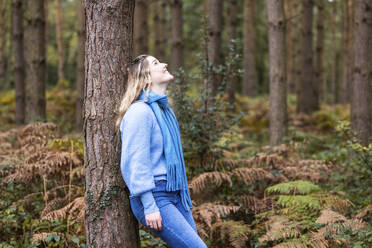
153, 220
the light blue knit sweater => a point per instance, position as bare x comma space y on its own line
142, 154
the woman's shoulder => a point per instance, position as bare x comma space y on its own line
139, 111
138, 108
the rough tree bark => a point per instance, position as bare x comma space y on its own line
141, 30
19, 63
249, 77
80, 72
277, 57
35, 58
177, 35
109, 221
361, 99
307, 99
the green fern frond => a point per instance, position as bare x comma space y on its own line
296, 187
299, 202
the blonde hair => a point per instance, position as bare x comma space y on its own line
139, 79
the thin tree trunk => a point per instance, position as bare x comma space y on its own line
277, 57
307, 100
336, 84
214, 40
249, 77
19, 63
288, 12
297, 69
159, 29
109, 29
35, 57
293, 46
319, 65
80, 72
361, 99
141, 30
164, 26
232, 24
59, 25
348, 54
2, 42
177, 35
46, 2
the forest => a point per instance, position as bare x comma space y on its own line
273, 99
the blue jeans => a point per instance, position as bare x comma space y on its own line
178, 226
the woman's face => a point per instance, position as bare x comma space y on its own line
158, 71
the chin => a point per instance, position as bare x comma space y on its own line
168, 78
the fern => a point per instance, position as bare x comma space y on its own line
280, 227
250, 175
299, 202
205, 180
233, 233
295, 187
210, 213
291, 244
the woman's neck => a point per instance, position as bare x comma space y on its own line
159, 89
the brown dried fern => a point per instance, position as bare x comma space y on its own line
215, 178
250, 175
50, 163
280, 227
256, 205
76, 209
209, 213
234, 233
328, 216
291, 244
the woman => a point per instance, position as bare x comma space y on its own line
152, 163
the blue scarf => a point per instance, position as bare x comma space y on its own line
176, 172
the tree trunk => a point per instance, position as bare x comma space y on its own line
319, 67
348, 54
59, 25
249, 77
35, 56
293, 46
46, 8
336, 84
80, 72
307, 100
177, 35
160, 12
2, 42
108, 52
277, 57
232, 24
289, 29
19, 63
214, 40
297, 70
361, 99
141, 30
